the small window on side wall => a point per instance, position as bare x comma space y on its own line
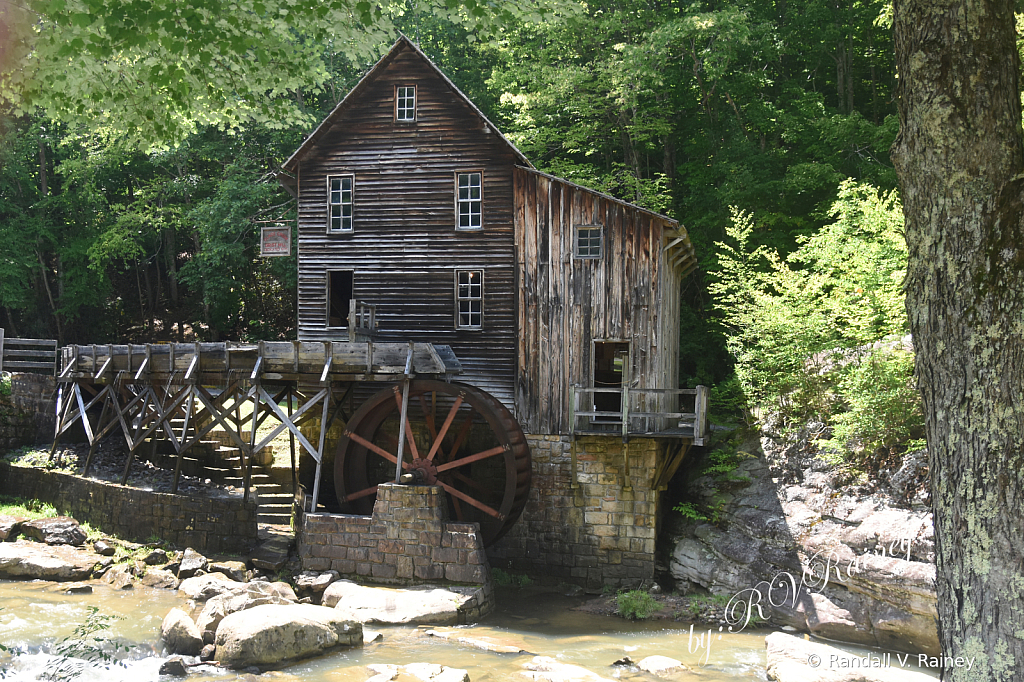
469, 201
469, 299
589, 241
405, 103
339, 203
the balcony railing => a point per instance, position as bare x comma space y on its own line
362, 320
639, 412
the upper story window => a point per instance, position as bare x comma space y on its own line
339, 203
469, 299
588, 241
469, 201
405, 103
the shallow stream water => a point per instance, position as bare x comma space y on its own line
34, 616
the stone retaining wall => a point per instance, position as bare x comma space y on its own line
407, 541
27, 415
205, 524
600, 533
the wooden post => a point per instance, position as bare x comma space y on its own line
627, 485
291, 440
700, 408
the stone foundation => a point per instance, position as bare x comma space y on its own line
407, 541
207, 525
27, 415
600, 533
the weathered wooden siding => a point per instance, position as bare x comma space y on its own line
566, 303
404, 248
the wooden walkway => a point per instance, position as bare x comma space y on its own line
183, 391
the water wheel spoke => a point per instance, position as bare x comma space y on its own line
374, 448
408, 426
473, 458
428, 415
458, 509
455, 492
469, 481
372, 490
461, 438
447, 424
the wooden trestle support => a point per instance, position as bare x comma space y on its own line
183, 391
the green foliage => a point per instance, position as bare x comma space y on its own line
5, 383
688, 510
33, 509
802, 328
636, 604
510, 579
84, 649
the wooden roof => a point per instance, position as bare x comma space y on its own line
401, 44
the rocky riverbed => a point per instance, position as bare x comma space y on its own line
799, 541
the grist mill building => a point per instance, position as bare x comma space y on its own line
418, 221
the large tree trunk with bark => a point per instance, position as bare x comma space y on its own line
959, 157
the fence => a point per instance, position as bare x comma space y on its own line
28, 355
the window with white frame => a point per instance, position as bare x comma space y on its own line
405, 103
469, 299
339, 203
588, 241
469, 201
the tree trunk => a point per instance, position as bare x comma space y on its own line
959, 156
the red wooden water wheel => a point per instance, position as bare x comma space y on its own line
457, 437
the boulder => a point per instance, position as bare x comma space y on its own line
266, 635
156, 557
203, 587
103, 548
10, 526
77, 588
247, 596
180, 633
428, 606
314, 582
174, 667
57, 530
31, 560
191, 562
546, 669
794, 659
232, 569
120, 577
158, 577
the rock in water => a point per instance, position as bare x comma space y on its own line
794, 659
103, 548
269, 634
158, 577
659, 664
59, 530
246, 596
157, 556
120, 577
545, 669
203, 587
384, 605
174, 666
59, 563
232, 569
191, 562
181, 634
428, 672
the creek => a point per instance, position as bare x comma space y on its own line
36, 615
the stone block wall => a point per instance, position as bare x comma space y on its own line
27, 415
601, 533
221, 525
408, 540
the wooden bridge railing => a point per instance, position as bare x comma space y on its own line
28, 355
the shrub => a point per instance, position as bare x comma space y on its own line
5, 383
636, 605
510, 579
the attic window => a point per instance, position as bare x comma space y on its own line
339, 203
405, 103
588, 241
